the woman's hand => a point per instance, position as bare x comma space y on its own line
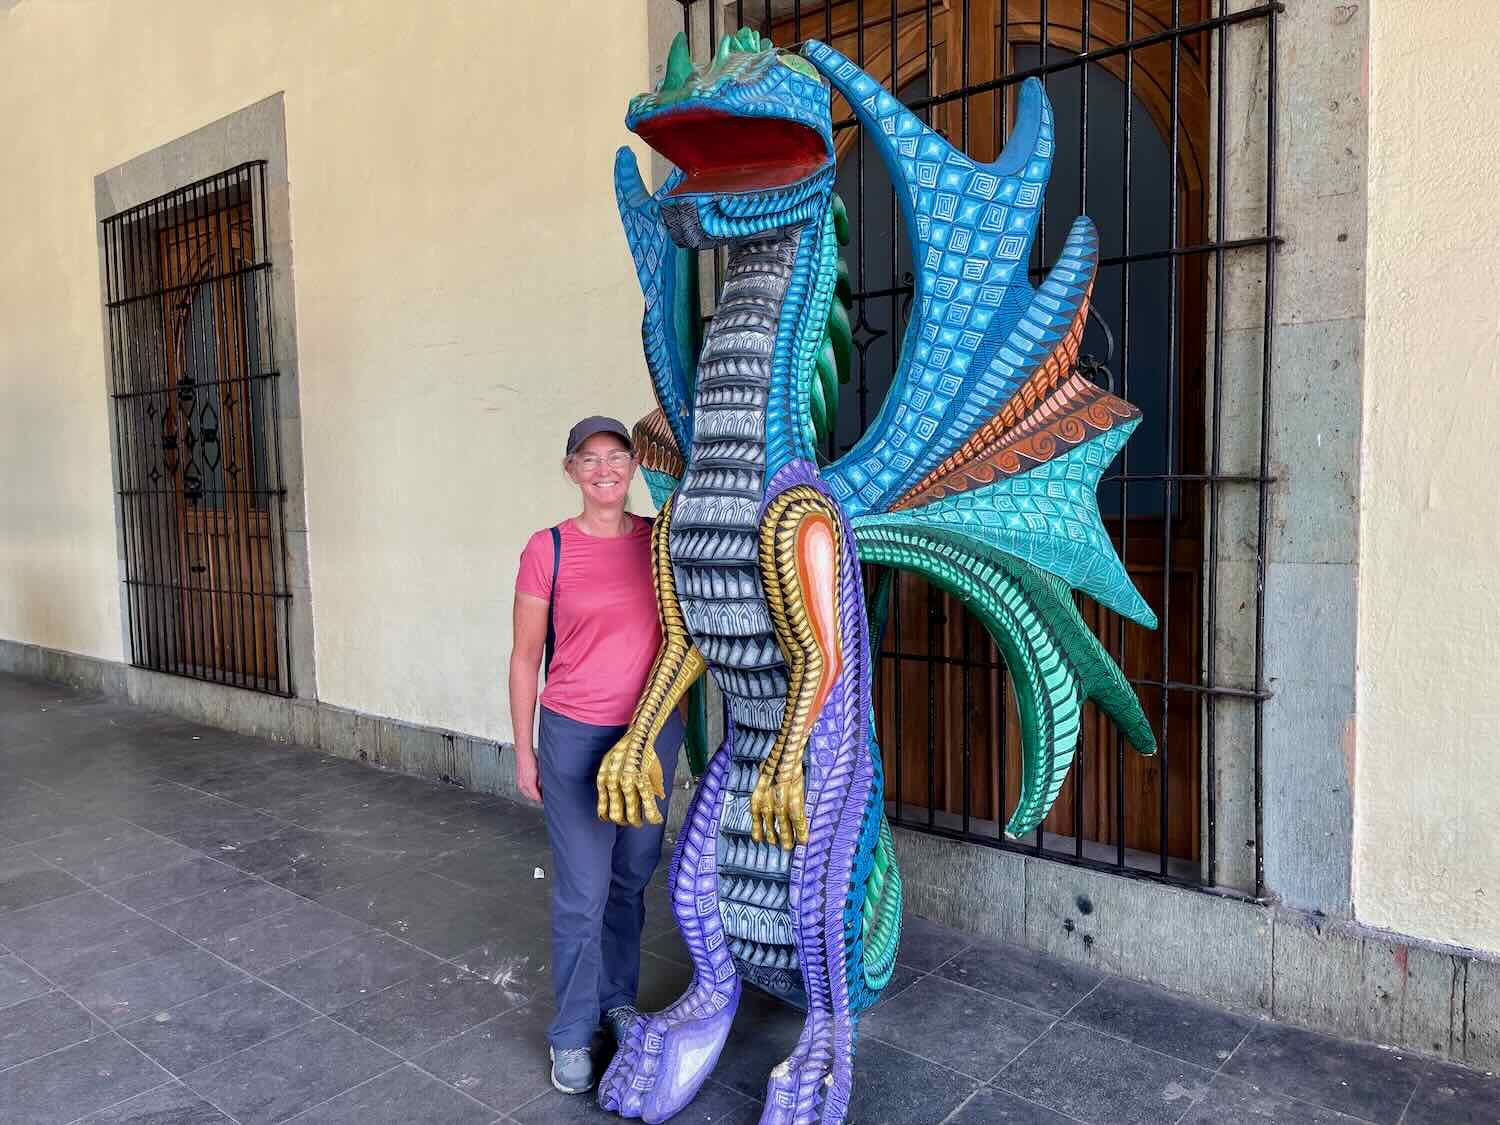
528, 781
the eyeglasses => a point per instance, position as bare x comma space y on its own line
588, 462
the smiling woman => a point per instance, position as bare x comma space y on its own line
586, 606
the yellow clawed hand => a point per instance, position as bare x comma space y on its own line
778, 807
630, 784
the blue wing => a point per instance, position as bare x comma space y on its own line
977, 324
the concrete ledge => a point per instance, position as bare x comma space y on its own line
1333, 976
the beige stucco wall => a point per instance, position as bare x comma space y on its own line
1427, 788
463, 293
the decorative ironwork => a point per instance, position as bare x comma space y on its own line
198, 455
1142, 113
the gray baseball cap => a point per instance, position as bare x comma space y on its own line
596, 424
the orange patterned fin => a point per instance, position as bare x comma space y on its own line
1075, 412
655, 445
1026, 399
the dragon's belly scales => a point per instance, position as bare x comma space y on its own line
715, 550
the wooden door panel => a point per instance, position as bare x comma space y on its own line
209, 429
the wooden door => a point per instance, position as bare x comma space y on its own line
942, 695
213, 436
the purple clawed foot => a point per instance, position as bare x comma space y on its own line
666, 1057
811, 1086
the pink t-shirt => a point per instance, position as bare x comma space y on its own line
604, 616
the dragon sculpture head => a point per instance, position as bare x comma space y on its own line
750, 135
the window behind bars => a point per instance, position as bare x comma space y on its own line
1139, 91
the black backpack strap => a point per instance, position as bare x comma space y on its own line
551, 600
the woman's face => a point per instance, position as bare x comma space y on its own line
602, 468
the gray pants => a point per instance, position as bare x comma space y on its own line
599, 875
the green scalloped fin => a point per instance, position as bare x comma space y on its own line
1047, 516
835, 353
660, 485
1055, 661
882, 912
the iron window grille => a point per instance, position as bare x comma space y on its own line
194, 387
1156, 337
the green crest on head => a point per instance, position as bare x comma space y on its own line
743, 56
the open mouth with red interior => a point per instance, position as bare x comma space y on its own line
723, 153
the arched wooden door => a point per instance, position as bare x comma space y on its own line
1132, 135
214, 450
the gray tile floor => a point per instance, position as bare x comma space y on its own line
200, 927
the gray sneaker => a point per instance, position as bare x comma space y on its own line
572, 1069
619, 1020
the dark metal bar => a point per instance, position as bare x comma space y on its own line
259, 377
1211, 577
1125, 393
932, 666
1164, 745
235, 518
896, 677
1124, 49
268, 492
122, 426
212, 607
212, 589
276, 512
170, 621
965, 717
167, 290
1265, 446
245, 546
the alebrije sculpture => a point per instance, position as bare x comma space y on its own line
979, 474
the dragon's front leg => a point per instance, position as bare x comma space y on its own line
666, 1057
799, 562
812, 589
630, 777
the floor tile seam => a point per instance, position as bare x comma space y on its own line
97, 1029
117, 968
259, 974
303, 1026
873, 1036
1139, 1046
245, 876
52, 987
994, 1079
1427, 1067
103, 888
199, 1094
1012, 1094
934, 975
504, 1114
213, 991
432, 1046
345, 941
1286, 1096
133, 824
1249, 1031
122, 1101
1406, 1108
140, 875
305, 1110
1077, 1003
924, 1058
945, 961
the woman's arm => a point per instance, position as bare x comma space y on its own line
529, 618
